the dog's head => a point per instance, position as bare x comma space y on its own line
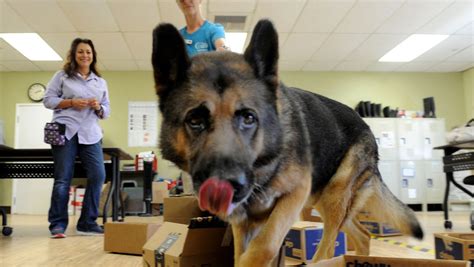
220, 115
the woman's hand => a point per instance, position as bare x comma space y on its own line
93, 103
80, 103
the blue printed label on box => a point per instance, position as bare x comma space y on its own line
302, 243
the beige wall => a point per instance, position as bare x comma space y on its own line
403, 90
468, 84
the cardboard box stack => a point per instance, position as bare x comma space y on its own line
182, 241
455, 246
377, 227
127, 237
78, 199
303, 239
362, 261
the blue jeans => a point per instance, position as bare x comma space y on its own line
92, 160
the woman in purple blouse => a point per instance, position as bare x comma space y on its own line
79, 98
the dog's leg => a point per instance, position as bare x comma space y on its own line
265, 246
337, 199
238, 232
358, 235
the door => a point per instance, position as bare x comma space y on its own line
31, 196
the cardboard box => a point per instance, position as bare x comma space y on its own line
181, 209
454, 246
368, 261
78, 199
159, 192
127, 237
377, 227
176, 245
304, 237
72, 197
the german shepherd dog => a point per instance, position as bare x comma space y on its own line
258, 151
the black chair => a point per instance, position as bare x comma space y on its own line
6, 230
469, 180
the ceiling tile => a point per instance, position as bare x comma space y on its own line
411, 16
322, 16
338, 46
319, 65
466, 55
375, 47
282, 13
451, 19
300, 46
60, 42
139, 15
451, 66
89, 15
170, 13
23, 65
140, 43
366, 16
468, 29
384, 66
9, 53
144, 64
415, 66
231, 6
11, 21
447, 48
109, 45
49, 65
43, 16
290, 65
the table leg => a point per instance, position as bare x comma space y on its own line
447, 222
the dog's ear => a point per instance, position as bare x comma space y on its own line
169, 58
262, 52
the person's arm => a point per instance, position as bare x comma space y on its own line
220, 45
104, 108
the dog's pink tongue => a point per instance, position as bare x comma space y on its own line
215, 195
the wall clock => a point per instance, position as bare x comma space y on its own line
36, 92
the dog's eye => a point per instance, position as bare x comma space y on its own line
247, 119
197, 119
196, 124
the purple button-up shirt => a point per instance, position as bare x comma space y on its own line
85, 122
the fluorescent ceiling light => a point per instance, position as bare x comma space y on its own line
236, 41
32, 46
412, 47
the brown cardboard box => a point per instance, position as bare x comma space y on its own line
127, 237
454, 246
181, 209
159, 192
375, 226
312, 215
359, 261
176, 245
302, 241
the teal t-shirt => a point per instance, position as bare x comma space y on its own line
203, 39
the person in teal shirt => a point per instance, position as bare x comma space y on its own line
199, 34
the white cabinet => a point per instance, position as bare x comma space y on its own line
389, 172
385, 132
408, 164
412, 181
435, 181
